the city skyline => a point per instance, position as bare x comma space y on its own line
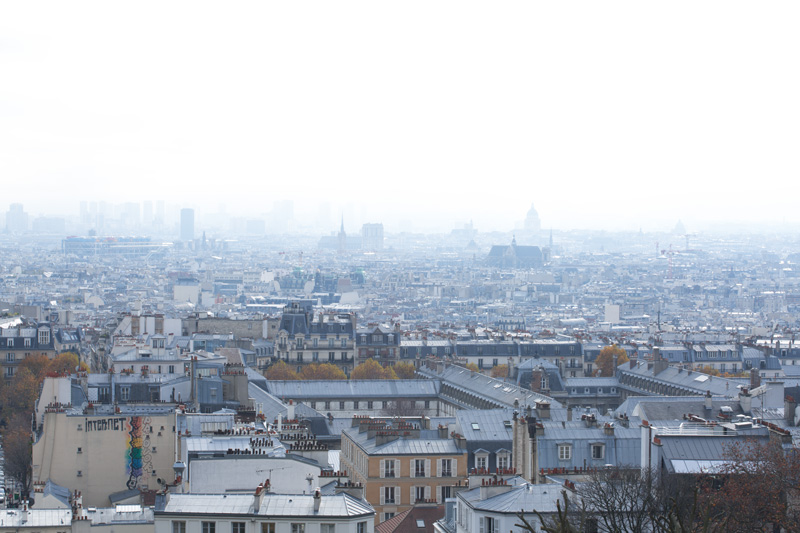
621, 117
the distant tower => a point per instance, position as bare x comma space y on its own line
16, 219
342, 237
372, 237
532, 222
187, 225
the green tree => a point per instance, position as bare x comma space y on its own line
405, 370
609, 358
280, 371
324, 371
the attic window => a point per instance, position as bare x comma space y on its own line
475, 426
701, 378
420, 523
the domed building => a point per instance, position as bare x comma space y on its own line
532, 222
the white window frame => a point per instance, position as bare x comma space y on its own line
565, 452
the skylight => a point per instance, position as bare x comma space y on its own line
475, 426
701, 378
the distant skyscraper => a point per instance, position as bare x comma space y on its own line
372, 237
187, 225
16, 219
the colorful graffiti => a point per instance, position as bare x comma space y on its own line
137, 456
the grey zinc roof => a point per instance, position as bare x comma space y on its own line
35, 518
408, 388
484, 386
274, 505
523, 498
491, 424
403, 446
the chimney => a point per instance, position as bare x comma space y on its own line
258, 497
755, 379
745, 401
442, 432
708, 403
317, 499
659, 363
569, 414
608, 429
543, 409
789, 410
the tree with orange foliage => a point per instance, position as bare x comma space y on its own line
371, 369
499, 371
280, 371
324, 371
473, 367
18, 450
405, 370
609, 358
67, 363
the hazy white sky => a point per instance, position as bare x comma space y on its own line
603, 114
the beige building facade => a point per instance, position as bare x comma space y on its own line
100, 454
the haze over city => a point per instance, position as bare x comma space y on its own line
421, 116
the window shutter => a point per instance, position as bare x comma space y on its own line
411, 468
427, 468
427, 492
383, 494
413, 495
438, 468
383, 468
481, 526
454, 469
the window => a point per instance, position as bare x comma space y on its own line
598, 451
419, 494
298, 528
445, 493
80, 450
387, 516
480, 363
330, 343
388, 468
447, 468
80, 473
125, 395
10, 343
388, 495
315, 356
344, 356
564, 452
494, 362
299, 357
502, 460
489, 525
331, 356
313, 405
344, 343
369, 405
419, 468
427, 404
355, 404
27, 343
315, 342
10, 357
267, 527
178, 526
327, 528
237, 527
361, 527
209, 527
481, 461
341, 406
327, 405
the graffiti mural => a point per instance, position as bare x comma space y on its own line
137, 457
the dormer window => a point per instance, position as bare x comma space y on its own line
44, 336
27, 342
